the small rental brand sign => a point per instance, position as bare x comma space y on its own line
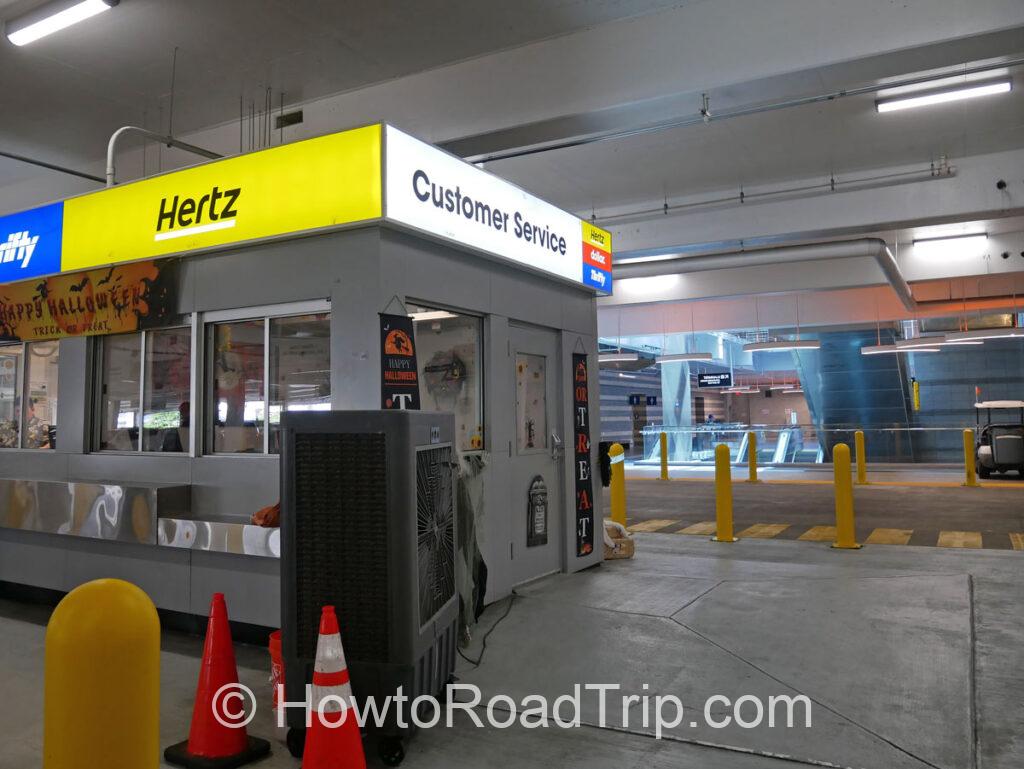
30, 243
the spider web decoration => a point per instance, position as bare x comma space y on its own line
435, 530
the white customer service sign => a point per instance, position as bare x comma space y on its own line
439, 194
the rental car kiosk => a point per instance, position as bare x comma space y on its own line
154, 333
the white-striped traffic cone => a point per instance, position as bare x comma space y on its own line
333, 741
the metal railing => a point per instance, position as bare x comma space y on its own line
799, 444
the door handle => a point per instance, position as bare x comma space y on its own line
557, 447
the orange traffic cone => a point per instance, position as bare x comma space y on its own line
217, 739
333, 741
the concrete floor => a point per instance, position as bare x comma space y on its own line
994, 512
910, 656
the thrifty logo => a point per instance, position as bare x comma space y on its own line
19, 247
213, 211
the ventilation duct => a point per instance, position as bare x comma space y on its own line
875, 248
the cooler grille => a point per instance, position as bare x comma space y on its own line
435, 530
341, 541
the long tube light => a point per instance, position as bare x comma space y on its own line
882, 349
797, 344
432, 315
618, 357
53, 17
944, 95
678, 357
985, 333
933, 341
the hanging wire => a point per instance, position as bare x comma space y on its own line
878, 321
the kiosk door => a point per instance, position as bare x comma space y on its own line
538, 520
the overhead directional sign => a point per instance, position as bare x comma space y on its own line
714, 380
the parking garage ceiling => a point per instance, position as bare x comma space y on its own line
69, 92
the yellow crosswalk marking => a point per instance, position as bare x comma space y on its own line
763, 530
705, 528
959, 539
655, 524
889, 537
819, 534
1017, 540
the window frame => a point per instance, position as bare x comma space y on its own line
265, 314
482, 344
19, 395
23, 383
98, 395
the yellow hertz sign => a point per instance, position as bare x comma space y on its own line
308, 185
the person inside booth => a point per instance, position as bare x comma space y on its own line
37, 432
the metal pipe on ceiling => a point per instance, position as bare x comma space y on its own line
875, 248
50, 166
170, 141
702, 117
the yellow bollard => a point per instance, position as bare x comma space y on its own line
970, 479
663, 442
102, 683
723, 495
617, 457
752, 457
862, 462
846, 538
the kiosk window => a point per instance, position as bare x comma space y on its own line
40, 412
145, 385
168, 386
284, 359
119, 409
300, 368
238, 373
449, 355
12, 375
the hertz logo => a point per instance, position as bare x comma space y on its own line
213, 211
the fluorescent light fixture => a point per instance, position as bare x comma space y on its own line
53, 17
782, 387
882, 349
944, 95
618, 357
963, 240
797, 344
681, 356
655, 284
968, 246
742, 390
432, 315
627, 376
932, 341
985, 333
794, 390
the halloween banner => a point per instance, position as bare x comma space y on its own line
111, 300
399, 375
582, 465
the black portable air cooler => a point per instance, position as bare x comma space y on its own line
368, 525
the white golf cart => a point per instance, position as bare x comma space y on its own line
1000, 445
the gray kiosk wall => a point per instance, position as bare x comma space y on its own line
358, 272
